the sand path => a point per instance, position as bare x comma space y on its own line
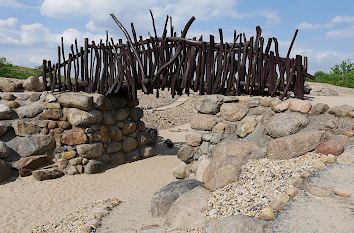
27, 203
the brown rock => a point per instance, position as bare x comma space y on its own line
246, 126
52, 124
68, 154
104, 133
222, 128
140, 126
292, 191
277, 205
330, 147
203, 122
318, 109
297, 105
318, 164
318, 191
13, 104
22, 128
233, 111
129, 127
117, 158
51, 114
51, 105
283, 106
32, 162
147, 152
64, 124
90, 151
5, 171
115, 133
10, 85
143, 138
342, 193
74, 136
47, 174
194, 139
267, 213
129, 144
25, 172
185, 153
349, 133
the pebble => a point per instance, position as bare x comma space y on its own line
85, 219
267, 213
341, 193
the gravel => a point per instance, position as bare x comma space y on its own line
150, 101
84, 219
259, 182
342, 91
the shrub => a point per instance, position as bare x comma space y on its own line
9, 70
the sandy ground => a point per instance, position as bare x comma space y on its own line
27, 203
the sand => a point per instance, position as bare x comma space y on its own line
27, 203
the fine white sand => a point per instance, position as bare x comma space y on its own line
27, 203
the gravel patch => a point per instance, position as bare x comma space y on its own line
150, 101
342, 91
85, 219
260, 180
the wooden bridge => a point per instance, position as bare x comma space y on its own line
246, 65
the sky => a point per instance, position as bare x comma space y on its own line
30, 30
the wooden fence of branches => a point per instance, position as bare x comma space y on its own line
245, 65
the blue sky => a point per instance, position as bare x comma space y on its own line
30, 30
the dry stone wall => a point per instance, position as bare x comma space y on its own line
228, 131
53, 134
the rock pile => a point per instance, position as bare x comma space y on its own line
70, 133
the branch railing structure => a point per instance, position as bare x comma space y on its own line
180, 64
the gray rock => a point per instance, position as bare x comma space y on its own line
5, 171
78, 117
297, 144
203, 122
233, 111
108, 118
206, 137
216, 138
257, 111
341, 110
75, 100
29, 111
132, 156
8, 96
121, 114
180, 171
143, 138
208, 104
283, 124
236, 224
75, 161
71, 170
5, 112
35, 96
147, 152
115, 133
50, 98
47, 174
114, 147
164, 198
93, 166
22, 96
129, 144
252, 102
32, 84
90, 151
318, 109
10, 85
204, 147
136, 114
187, 212
197, 154
32, 145
185, 153
4, 150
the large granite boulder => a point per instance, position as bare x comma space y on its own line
32, 84
78, 117
236, 224
233, 111
284, 124
208, 104
74, 100
187, 212
164, 198
32, 145
225, 166
203, 122
5, 112
297, 144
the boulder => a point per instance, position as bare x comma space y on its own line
117, 158
252, 102
187, 212
203, 122
32, 162
50, 98
330, 147
51, 114
136, 114
284, 124
265, 101
74, 100
5, 112
132, 156
5, 171
32, 145
297, 105
283, 106
4, 150
8, 96
47, 174
32, 84
318, 109
208, 104
108, 118
114, 147
75, 136
164, 198
180, 171
22, 96
35, 96
233, 111
104, 103
257, 111
274, 103
129, 144
236, 224
115, 133
221, 128
194, 139
246, 126
69, 154
129, 127
93, 166
297, 144
121, 114
22, 128
185, 153
10, 85
340, 111
90, 151
202, 166
225, 166
29, 111
78, 117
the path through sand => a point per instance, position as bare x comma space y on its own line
27, 203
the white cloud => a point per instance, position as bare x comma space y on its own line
10, 22
271, 16
12, 3
343, 19
341, 33
334, 21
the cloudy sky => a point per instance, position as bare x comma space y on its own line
30, 30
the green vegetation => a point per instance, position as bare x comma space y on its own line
11, 71
340, 75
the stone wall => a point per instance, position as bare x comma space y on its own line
228, 131
49, 135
